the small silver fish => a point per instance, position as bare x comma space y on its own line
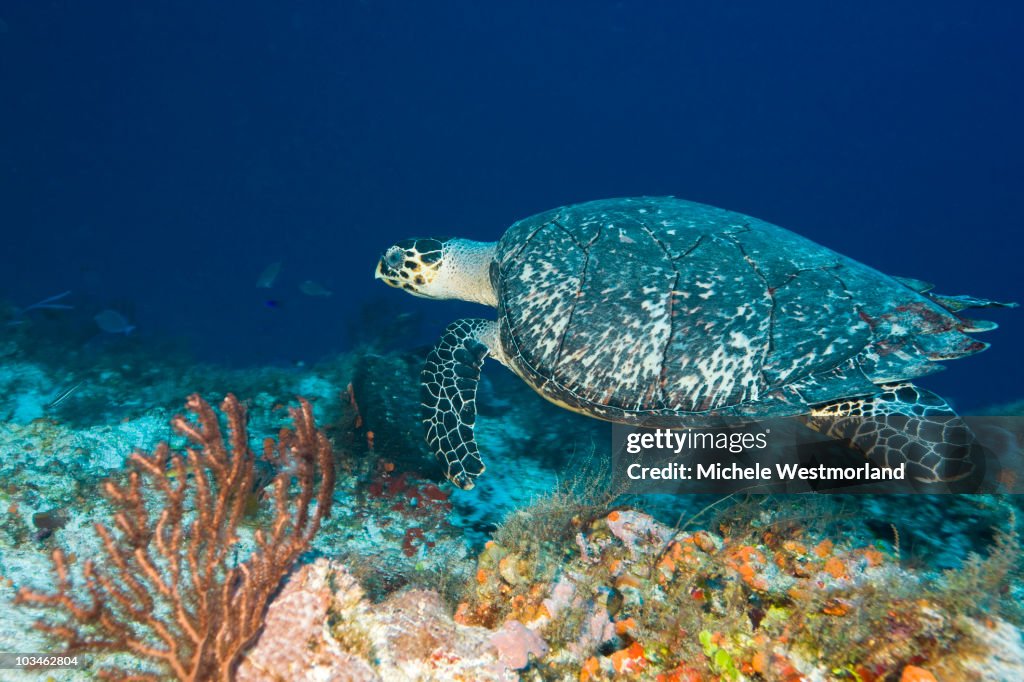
63, 395
269, 275
311, 288
113, 322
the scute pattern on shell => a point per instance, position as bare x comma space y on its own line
724, 323
633, 309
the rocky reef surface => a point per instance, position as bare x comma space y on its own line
541, 572
629, 598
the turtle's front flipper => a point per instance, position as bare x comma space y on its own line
450, 378
905, 423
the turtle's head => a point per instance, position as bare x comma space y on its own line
440, 267
413, 265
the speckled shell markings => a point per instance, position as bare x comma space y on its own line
633, 309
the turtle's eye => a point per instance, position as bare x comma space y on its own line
394, 258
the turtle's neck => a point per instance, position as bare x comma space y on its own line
466, 268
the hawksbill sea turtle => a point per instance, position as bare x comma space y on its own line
664, 312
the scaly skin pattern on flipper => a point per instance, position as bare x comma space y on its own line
450, 379
904, 423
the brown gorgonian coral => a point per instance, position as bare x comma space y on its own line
167, 588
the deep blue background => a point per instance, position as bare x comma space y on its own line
156, 156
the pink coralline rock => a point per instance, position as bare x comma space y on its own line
635, 528
294, 644
597, 628
516, 643
321, 628
600, 628
414, 624
417, 639
561, 597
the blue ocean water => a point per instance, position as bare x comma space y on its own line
157, 156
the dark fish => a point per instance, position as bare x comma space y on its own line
50, 520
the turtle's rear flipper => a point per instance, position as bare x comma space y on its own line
905, 423
450, 378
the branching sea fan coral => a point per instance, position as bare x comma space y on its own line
167, 588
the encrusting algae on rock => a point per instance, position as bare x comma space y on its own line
634, 599
411, 581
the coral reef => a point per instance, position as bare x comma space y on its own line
761, 598
522, 578
621, 596
322, 627
168, 589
